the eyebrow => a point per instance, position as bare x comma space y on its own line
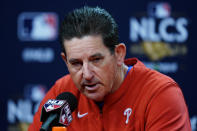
73, 60
97, 55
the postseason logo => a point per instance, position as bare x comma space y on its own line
53, 105
160, 37
65, 116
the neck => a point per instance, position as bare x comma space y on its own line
119, 78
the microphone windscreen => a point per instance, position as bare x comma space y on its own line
70, 98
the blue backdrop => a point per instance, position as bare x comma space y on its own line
160, 33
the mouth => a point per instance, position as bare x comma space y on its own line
91, 87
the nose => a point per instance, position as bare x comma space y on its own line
87, 72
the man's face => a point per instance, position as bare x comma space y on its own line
91, 65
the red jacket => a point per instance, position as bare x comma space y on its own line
147, 100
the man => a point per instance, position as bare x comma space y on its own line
113, 93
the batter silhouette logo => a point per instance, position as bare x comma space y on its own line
37, 26
53, 105
159, 9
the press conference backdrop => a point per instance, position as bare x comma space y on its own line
160, 33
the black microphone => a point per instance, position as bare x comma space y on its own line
57, 112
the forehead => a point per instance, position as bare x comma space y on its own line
87, 45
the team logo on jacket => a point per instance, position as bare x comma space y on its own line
127, 113
53, 105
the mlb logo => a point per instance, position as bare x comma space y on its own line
159, 9
53, 105
37, 26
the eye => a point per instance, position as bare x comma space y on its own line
76, 63
96, 59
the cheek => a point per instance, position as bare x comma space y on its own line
76, 77
108, 74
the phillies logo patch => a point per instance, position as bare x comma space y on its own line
127, 113
53, 105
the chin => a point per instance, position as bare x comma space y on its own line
95, 97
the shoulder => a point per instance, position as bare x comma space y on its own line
148, 83
64, 84
141, 73
155, 74
65, 80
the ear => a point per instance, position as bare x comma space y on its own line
64, 57
120, 53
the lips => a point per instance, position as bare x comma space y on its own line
91, 87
